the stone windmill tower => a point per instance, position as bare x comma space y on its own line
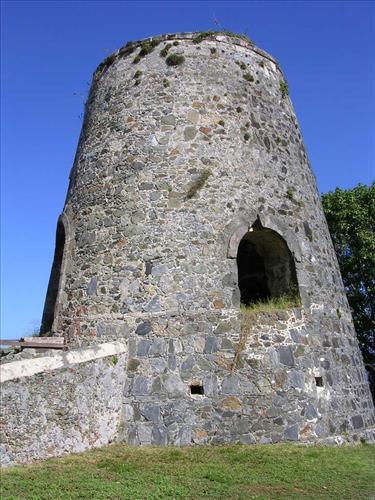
190, 195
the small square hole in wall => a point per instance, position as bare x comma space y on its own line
196, 389
319, 381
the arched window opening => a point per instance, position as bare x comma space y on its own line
54, 281
266, 267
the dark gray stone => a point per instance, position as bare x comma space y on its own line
211, 345
132, 436
210, 385
308, 231
158, 364
310, 412
144, 433
321, 431
159, 435
184, 436
247, 439
297, 379
148, 268
153, 305
158, 347
296, 336
357, 422
143, 347
151, 412
100, 330
240, 426
141, 386
159, 270
187, 365
146, 186
286, 356
91, 287
174, 386
143, 328
230, 385
172, 362
291, 433
157, 387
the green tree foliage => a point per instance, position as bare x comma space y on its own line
350, 215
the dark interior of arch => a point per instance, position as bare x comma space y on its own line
54, 281
265, 267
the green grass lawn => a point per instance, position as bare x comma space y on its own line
227, 472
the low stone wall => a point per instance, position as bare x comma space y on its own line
62, 403
267, 381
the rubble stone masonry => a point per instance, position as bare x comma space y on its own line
189, 147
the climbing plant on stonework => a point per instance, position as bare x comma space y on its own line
350, 215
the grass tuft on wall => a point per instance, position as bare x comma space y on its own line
198, 184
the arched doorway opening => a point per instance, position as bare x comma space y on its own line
266, 268
54, 281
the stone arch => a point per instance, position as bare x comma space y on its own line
268, 222
265, 264
57, 276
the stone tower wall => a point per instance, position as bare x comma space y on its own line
174, 166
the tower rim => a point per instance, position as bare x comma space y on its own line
195, 37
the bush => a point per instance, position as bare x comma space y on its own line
175, 60
242, 65
350, 216
146, 48
199, 37
284, 89
248, 77
164, 51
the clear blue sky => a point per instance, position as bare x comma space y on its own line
50, 50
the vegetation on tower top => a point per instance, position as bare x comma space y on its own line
209, 34
284, 89
175, 60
